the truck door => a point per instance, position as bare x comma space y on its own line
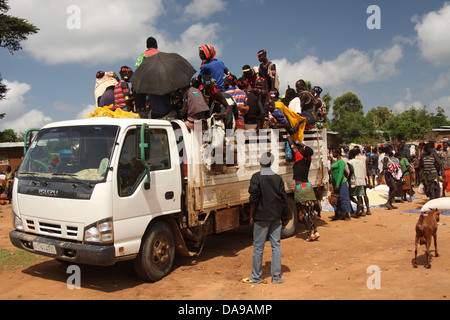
131, 198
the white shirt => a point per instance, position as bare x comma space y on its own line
295, 105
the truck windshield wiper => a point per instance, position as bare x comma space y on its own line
72, 176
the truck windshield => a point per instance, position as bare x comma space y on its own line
78, 153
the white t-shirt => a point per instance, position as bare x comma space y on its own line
295, 105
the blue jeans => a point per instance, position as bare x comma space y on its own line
260, 231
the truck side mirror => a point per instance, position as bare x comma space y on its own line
143, 150
28, 138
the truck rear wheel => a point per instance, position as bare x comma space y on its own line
155, 259
289, 230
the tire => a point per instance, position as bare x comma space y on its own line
289, 230
157, 254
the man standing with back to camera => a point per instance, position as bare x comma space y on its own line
268, 215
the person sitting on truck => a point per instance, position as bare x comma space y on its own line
250, 75
296, 121
141, 98
196, 107
268, 215
104, 88
239, 96
277, 118
307, 102
211, 66
216, 101
123, 97
320, 105
304, 194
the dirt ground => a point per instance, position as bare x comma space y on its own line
337, 266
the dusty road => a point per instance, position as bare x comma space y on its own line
337, 266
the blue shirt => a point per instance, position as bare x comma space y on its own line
215, 68
279, 115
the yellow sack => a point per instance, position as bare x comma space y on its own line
293, 119
107, 112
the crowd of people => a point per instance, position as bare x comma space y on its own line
249, 101
399, 167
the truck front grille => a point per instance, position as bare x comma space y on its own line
52, 229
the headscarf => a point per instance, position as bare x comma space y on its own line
209, 51
103, 81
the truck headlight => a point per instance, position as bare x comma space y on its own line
17, 222
100, 232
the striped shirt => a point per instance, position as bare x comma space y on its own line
119, 97
240, 97
429, 162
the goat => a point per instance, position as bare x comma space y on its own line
426, 228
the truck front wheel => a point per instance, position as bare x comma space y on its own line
155, 259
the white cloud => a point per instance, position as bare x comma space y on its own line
62, 106
406, 103
202, 9
350, 67
86, 110
192, 38
442, 82
109, 30
443, 102
433, 36
13, 104
32, 119
17, 116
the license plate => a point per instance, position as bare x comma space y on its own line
47, 248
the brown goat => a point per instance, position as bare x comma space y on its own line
426, 228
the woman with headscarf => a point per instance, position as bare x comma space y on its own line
212, 66
104, 88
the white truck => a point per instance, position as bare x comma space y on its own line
102, 190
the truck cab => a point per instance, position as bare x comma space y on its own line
81, 194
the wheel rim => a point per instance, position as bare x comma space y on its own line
160, 253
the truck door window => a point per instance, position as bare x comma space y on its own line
131, 171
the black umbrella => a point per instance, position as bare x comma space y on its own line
162, 73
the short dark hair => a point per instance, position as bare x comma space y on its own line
151, 43
353, 153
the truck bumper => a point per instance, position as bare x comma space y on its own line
100, 255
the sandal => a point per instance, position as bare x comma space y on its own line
247, 280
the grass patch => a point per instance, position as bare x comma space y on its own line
14, 259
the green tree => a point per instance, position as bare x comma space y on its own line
13, 31
440, 119
411, 124
348, 119
8, 135
347, 103
379, 116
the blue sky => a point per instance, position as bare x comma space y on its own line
404, 63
